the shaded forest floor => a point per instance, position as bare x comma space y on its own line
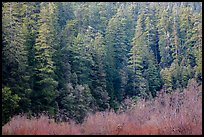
177, 113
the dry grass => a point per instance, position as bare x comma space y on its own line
175, 114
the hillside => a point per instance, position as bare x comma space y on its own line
68, 60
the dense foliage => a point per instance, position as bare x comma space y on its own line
68, 58
167, 114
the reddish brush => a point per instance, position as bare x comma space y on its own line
20, 125
178, 113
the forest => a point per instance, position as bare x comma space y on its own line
76, 61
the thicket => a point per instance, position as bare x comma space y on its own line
178, 113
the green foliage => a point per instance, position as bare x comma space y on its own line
118, 38
44, 93
167, 80
153, 77
98, 74
9, 104
72, 58
77, 101
164, 30
15, 68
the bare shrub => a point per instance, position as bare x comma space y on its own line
20, 125
176, 113
104, 123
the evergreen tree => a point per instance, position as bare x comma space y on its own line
44, 93
98, 75
117, 51
166, 79
136, 60
10, 103
73, 58
15, 54
77, 102
152, 57
197, 44
164, 29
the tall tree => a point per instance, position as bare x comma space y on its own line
44, 93
136, 60
164, 29
98, 75
15, 54
76, 102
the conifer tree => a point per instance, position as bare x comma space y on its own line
164, 29
98, 75
136, 59
44, 93
15, 54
